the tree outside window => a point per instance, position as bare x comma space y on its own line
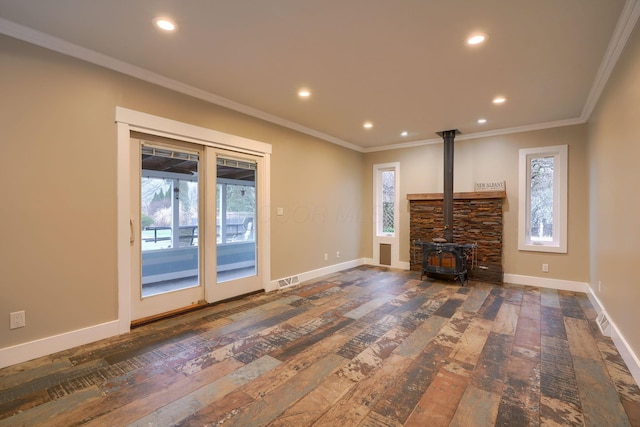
541, 199
388, 200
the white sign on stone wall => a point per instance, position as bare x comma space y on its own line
490, 186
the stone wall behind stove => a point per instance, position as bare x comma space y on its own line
475, 220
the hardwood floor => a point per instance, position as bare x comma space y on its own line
366, 347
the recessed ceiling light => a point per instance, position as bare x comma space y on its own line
477, 39
482, 121
404, 133
499, 100
367, 125
304, 93
165, 24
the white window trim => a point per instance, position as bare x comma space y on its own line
389, 238
377, 203
560, 195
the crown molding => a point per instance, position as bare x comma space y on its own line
410, 144
624, 28
59, 45
477, 135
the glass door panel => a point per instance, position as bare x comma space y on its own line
169, 232
233, 237
235, 219
167, 269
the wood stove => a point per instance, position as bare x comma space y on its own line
443, 256
446, 259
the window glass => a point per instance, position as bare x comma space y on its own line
156, 215
385, 193
188, 217
236, 220
388, 178
541, 199
169, 247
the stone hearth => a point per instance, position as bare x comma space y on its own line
477, 218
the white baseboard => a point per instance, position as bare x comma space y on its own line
401, 265
45, 346
629, 357
314, 274
543, 282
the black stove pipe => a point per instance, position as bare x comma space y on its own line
447, 207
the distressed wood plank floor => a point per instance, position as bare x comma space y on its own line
365, 347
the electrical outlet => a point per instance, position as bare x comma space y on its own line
545, 268
599, 285
338, 254
17, 320
326, 257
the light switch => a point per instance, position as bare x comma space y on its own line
280, 211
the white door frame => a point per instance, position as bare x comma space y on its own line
130, 120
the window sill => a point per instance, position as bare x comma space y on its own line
386, 235
543, 248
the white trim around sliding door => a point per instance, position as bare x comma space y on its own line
130, 120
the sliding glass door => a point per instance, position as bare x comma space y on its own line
195, 231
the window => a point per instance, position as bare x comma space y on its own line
542, 212
386, 199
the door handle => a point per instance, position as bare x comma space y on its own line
132, 235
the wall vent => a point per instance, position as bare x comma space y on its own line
385, 254
288, 281
603, 324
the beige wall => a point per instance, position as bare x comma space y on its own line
614, 153
319, 187
58, 151
496, 159
57, 260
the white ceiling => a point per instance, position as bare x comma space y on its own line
404, 64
